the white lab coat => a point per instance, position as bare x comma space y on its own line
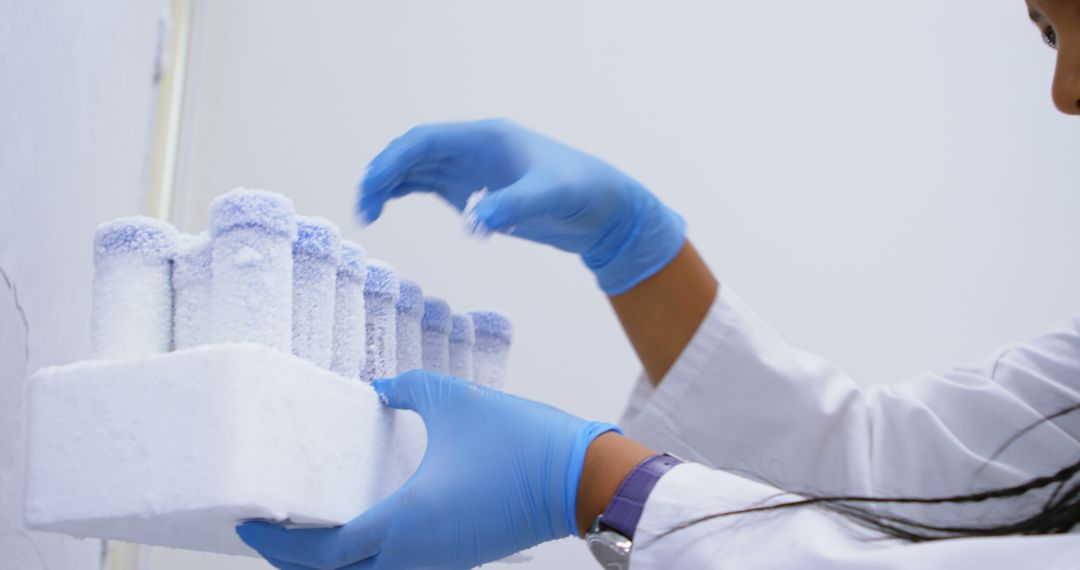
746, 408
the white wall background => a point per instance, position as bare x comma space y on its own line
886, 182
76, 100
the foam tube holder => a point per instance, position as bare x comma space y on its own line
175, 449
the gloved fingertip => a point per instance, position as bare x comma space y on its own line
358, 210
486, 211
363, 218
368, 211
375, 168
487, 216
381, 386
371, 182
281, 564
405, 392
255, 524
476, 227
251, 532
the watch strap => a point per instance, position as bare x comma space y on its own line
624, 511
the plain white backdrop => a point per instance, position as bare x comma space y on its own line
886, 182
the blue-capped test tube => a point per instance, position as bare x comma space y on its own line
435, 343
381, 290
410, 312
462, 339
191, 291
348, 352
131, 304
252, 232
491, 351
316, 254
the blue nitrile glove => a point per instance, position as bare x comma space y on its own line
539, 190
500, 474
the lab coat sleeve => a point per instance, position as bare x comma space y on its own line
741, 399
804, 538
638, 398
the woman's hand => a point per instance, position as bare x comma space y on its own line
547, 192
539, 190
500, 474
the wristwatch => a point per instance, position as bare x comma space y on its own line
612, 535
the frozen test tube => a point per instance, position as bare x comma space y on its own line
410, 313
381, 290
131, 297
491, 351
435, 340
316, 254
191, 291
348, 350
252, 232
462, 339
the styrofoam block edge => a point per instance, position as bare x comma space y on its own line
175, 449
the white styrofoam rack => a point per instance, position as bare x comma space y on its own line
175, 449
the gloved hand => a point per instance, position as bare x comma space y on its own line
539, 190
500, 474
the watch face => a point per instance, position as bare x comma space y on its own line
611, 549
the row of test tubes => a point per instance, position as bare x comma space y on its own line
263, 274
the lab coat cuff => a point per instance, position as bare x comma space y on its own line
650, 408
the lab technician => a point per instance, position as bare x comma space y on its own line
785, 462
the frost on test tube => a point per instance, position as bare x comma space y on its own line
348, 351
316, 253
191, 291
407, 430
462, 338
491, 350
410, 312
131, 305
252, 232
436, 325
381, 290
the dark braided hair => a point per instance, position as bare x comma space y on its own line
1058, 515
